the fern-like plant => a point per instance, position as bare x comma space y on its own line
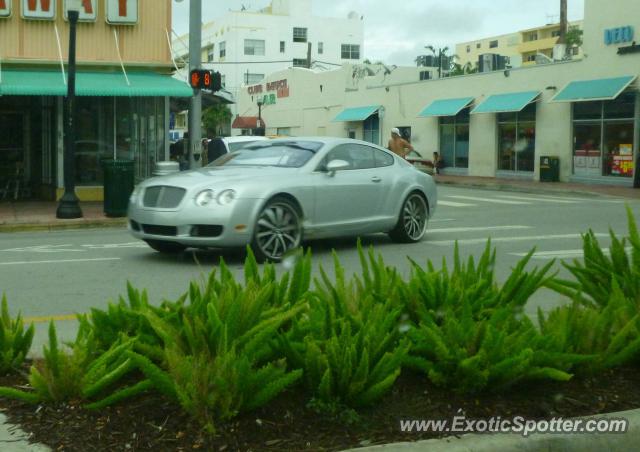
596, 275
350, 343
15, 342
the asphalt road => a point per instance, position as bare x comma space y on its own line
58, 274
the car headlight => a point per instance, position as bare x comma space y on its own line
204, 198
226, 197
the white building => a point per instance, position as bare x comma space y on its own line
585, 112
245, 46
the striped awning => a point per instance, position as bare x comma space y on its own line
590, 90
51, 83
446, 107
506, 103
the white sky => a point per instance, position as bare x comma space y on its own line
397, 34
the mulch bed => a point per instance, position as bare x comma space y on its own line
150, 422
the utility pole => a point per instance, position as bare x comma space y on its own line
564, 24
308, 55
195, 106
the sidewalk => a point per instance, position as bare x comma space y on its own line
41, 215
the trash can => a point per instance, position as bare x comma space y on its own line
549, 169
118, 186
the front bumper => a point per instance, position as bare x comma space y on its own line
210, 226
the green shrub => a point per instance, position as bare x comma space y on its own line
15, 342
595, 276
349, 343
610, 334
430, 292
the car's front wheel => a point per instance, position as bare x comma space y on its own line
278, 229
412, 221
166, 247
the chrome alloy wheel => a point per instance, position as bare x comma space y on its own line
278, 230
415, 217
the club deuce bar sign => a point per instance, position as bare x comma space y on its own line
120, 12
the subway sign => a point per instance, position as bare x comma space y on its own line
117, 12
618, 35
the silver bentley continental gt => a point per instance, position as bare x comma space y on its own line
273, 194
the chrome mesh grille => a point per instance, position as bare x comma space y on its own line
163, 196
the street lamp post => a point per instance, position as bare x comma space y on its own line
260, 128
69, 206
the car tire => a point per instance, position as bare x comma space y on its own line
278, 230
412, 220
166, 247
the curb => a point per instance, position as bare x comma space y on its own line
524, 189
567, 442
63, 225
13, 439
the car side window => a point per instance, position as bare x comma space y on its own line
357, 155
383, 158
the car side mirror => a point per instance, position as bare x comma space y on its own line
336, 165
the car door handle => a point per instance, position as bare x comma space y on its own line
376, 179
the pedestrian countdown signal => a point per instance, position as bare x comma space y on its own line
203, 79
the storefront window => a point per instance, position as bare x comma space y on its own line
603, 137
454, 140
94, 138
371, 129
517, 140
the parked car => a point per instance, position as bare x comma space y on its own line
416, 159
272, 194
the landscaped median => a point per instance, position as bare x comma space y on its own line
291, 362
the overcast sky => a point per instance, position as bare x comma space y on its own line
397, 34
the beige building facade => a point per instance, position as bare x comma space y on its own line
123, 84
497, 124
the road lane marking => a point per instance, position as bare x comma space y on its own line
530, 198
45, 249
61, 261
48, 318
439, 220
508, 239
478, 229
563, 254
490, 200
454, 204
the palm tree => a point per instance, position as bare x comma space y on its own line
444, 61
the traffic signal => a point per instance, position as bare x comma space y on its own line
203, 79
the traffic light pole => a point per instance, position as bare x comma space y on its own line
195, 107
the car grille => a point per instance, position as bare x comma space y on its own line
155, 229
163, 196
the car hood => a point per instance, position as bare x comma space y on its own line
217, 176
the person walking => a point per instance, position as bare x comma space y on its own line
399, 145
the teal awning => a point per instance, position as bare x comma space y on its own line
51, 83
504, 103
599, 89
356, 114
446, 107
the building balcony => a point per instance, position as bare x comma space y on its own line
537, 45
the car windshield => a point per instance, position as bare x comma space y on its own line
239, 145
291, 154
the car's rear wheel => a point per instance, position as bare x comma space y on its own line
412, 221
166, 247
278, 230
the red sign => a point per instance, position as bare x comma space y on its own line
39, 9
256, 89
274, 86
122, 11
283, 92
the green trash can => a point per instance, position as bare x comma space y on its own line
549, 169
118, 186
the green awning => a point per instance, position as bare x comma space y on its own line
356, 114
446, 107
504, 103
51, 83
599, 89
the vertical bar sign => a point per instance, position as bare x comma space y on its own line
122, 12
88, 10
5, 8
38, 9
